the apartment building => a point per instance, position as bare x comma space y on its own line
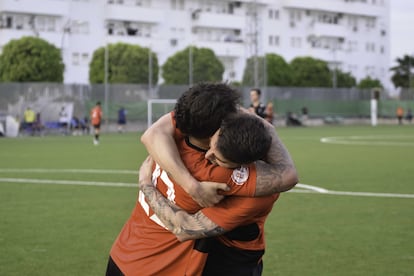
352, 35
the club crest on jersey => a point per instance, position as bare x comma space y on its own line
240, 175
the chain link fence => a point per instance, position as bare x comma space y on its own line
48, 98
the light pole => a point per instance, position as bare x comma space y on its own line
66, 30
106, 65
193, 16
190, 65
336, 46
150, 71
256, 46
334, 81
409, 73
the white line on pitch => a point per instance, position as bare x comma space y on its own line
310, 189
368, 140
345, 193
69, 171
67, 182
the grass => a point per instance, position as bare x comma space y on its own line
50, 229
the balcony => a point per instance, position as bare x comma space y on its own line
328, 30
222, 21
130, 13
224, 49
328, 55
260, 2
354, 8
45, 7
8, 34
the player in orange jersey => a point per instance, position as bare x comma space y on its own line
96, 120
241, 219
400, 114
144, 246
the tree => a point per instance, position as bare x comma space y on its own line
249, 72
206, 66
310, 72
367, 83
127, 63
401, 75
345, 79
31, 59
278, 71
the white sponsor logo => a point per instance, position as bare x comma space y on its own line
240, 175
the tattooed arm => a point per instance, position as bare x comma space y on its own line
160, 144
185, 226
277, 173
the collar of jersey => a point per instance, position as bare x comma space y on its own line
187, 141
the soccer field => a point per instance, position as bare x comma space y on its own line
64, 200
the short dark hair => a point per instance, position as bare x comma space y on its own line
257, 90
200, 110
243, 139
98, 103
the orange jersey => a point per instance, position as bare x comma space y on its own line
236, 211
96, 115
146, 247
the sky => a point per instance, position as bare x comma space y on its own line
401, 28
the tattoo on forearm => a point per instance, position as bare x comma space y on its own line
178, 220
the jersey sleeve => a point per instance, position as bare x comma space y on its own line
242, 181
236, 211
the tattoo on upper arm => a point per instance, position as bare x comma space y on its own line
270, 173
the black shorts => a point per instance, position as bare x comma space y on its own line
97, 126
112, 269
230, 261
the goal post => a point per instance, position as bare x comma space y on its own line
158, 107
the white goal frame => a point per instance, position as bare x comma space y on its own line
150, 102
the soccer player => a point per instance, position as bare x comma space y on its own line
144, 246
122, 119
240, 250
256, 106
96, 119
29, 119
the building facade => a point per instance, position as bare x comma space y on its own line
351, 35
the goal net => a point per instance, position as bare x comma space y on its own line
158, 107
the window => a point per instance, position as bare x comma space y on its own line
82, 27
273, 40
75, 58
177, 4
296, 42
370, 71
19, 22
85, 58
370, 47
51, 26
40, 23
273, 14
